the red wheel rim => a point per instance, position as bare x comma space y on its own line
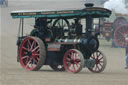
119, 21
29, 53
99, 62
120, 34
72, 61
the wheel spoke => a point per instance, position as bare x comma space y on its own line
121, 33
28, 46
35, 48
27, 61
35, 60
72, 55
38, 50
24, 57
77, 60
37, 54
74, 67
100, 58
100, 65
68, 59
97, 67
32, 45
77, 63
69, 54
68, 64
31, 64
29, 43
101, 61
98, 55
25, 48
76, 54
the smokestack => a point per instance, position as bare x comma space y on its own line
118, 6
89, 5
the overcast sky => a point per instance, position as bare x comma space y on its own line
47, 0
47, 4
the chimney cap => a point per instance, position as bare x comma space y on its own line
89, 4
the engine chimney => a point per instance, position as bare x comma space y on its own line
89, 4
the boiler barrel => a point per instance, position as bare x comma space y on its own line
90, 43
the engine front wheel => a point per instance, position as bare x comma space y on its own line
101, 62
73, 61
32, 53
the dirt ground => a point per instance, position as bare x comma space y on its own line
11, 72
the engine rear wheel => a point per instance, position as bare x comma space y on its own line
32, 53
119, 21
101, 62
73, 61
120, 34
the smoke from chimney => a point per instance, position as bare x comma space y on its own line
118, 6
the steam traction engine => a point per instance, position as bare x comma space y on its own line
117, 31
120, 26
63, 44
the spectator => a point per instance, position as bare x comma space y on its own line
126, 53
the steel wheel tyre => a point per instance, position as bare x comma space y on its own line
73, 61
101, 62
120, 34
32, 53
57, 67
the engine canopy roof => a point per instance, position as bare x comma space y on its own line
95, 12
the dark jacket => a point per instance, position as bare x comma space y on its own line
126, 49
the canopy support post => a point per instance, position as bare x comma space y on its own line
22, 26
99, 26
18, 35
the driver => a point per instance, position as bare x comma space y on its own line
78, 27
41, 24
43, 31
